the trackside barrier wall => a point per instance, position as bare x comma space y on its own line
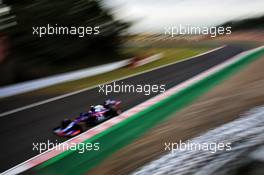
121, 134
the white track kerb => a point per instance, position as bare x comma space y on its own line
94, 131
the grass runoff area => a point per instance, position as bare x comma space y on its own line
170, 55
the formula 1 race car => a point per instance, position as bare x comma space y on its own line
97, 114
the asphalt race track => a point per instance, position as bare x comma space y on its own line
18, 131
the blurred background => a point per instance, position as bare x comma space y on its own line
25, 56
125, 28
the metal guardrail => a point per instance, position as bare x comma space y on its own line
31, 85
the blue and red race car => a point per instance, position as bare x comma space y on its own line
97, 114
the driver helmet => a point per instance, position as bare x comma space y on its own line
107, 103
92, 109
